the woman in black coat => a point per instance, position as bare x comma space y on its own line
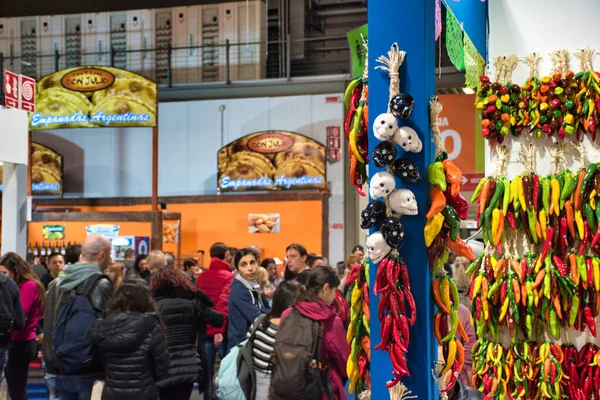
132, 344
185, 312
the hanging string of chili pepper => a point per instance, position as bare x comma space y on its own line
356, 128
441, 231
359, 332
558, 105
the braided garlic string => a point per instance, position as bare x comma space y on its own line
509, 66
585, 59
533, 61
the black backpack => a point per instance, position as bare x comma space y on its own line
7, 313
298, 373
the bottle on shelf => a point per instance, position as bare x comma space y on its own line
49, 250
29, 250
63, 250
43, 250
36, 250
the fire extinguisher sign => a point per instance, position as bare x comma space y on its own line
334, 153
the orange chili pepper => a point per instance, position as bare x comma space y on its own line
437, 325
538, 229
462, 332
438, 202
484, 195
435, 288
575, 277
460, 248
539, 279
499, 267
484, 288
577, 195
570, 216
365, 343
524, 294
498, 237
557, 306
453, 175
460, 355
516, 290
366, 311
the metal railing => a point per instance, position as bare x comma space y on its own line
222, 63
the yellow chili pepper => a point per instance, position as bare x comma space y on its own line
593, 195
555, 196
504, 309
521, 193
356, 293
350, 334
445, 292
596, 271
495, 225
432, 228
543, 222
579, 222
493, 262
353, 379
514, 193
477, 285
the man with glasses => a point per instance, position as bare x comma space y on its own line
84, 277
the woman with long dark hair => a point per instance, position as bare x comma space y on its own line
245, 302
131, 343
140, 266
264, 338
314, 301
185, 311
24, 345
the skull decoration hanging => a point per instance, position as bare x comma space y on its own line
406, 170
408, 139
377, 248
385, 126
382, 184
392, 230
403, 202
384, 154
402, 105
372, 215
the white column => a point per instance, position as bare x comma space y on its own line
14, 208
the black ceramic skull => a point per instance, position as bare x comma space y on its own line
402, 105
372, 215
392, 230
384, 154
406, 170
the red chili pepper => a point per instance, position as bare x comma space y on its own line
386, 332
401, 302
459, 203
383, 301
536, 190
398, 338
503, 291
361, 360
560, 265
478, 307
589, 319
405, 276
393, 382
596, 380
563, 235
366, 296
389, 273
588, 270
586, 237
523, 268
393, 299
444, 325
548, 242
380, 277
595, 241
413, 307
402, 327
510, 216
453, 379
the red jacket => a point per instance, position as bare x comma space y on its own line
334, 350
214, 282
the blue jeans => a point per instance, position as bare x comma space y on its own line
71, 388
51, 384
3, 360
211, 354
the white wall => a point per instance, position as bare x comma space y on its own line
524, 27
514, 30
116, 162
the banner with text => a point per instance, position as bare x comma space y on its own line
272, 160
87, 97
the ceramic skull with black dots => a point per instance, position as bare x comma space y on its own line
385, 126
373, 214
406, 170
392, 230
377, 248
407, 138
402, 105
382, 184
403, 202
384, 154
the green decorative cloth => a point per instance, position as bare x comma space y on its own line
454, 41
474, 63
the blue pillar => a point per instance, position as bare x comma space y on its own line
410, 23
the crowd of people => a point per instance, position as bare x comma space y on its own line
148, 328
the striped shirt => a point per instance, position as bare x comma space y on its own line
262, 347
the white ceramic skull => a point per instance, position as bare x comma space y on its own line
377, 248
403, 202
408, 139
385, 126
382, 184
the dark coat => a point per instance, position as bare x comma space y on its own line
134, 353
185, 315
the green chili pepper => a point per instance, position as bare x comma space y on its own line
440, 262
436, 175
574, 309
564, 285
531, 216
554, 329
598, 214
546, 194
506, 199
366, 325
453, 325
545, 305
478, 190
529, 324
548, 266
589, 174
569, 187
495, 287
495, 198
528, 286
581, 268
473, 266
589, 216
354, 351
452, 219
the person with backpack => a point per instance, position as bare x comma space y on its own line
310, 351
245, 299
11, 315
73, 303
185, 312
24, 346
132, 344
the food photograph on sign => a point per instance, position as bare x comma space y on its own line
272, 160
46, 170
263, 223
53, 232
85, 97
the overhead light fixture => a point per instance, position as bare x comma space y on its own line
468, 90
